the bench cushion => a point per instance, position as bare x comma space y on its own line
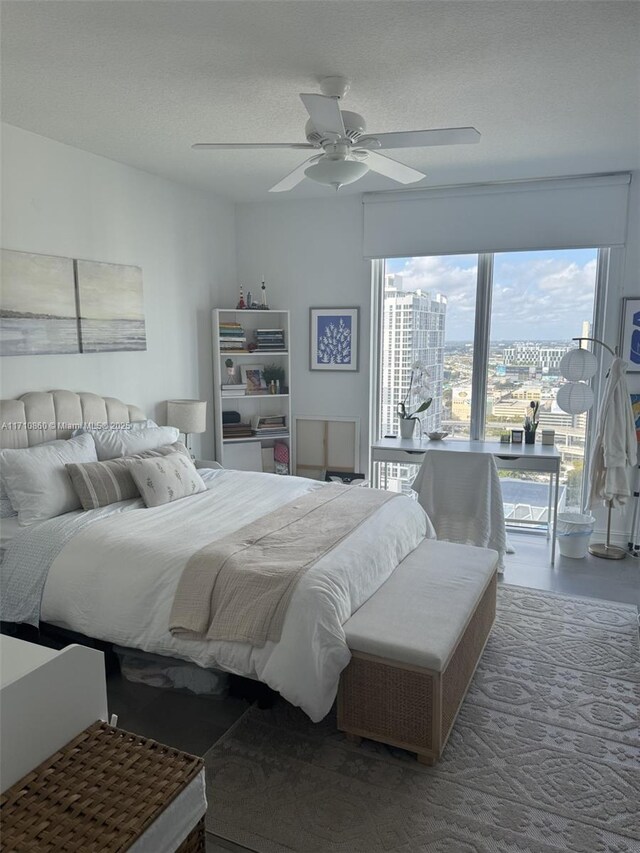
418, 616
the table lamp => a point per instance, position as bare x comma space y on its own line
188, 416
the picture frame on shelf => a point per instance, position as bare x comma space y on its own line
630, 333
253, 378
334, 339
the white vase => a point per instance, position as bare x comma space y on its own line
407, 426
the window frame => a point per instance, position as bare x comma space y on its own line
481, 344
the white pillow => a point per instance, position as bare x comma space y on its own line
112, 443
161, 481
37, 481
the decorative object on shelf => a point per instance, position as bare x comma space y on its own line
188, 416
531, 422
416, 398
505, 438
516, 436
549, 437
333, 340
263, 296
231, 371
253, 378
69, 306
630, 333
281, 457
273, 375
436, 436
241, 303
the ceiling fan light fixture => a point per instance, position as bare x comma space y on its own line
336, 173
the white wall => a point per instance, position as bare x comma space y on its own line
311, 255
62, 201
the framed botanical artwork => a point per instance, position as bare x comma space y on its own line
333, 339
253, 378
630, 333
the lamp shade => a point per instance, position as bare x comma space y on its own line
188, 416
335, 173
575, 398
578, 364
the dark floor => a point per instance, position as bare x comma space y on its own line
194, 723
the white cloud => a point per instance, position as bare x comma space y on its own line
538, 298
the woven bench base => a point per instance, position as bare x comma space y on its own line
409, 706
97, 794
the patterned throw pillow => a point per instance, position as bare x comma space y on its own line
162, 481
101, 483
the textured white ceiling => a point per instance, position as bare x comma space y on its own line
553, 86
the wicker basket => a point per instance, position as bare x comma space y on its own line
98, 793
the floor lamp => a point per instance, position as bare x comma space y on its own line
575, 397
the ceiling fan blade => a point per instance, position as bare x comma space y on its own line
248, 145
293, 178
424, 138
325, 114
392, 169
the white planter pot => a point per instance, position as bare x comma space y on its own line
407, 426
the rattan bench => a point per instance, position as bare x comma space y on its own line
98, 794
415, 645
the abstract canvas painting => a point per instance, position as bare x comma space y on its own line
111, 308
333, 339
37, 305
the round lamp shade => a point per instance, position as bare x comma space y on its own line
575, 398
188, 416
578, 364
336, 173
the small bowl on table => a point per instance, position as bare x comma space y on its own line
437, 436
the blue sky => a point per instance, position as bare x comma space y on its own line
536, 295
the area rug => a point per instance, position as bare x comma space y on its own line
544, 755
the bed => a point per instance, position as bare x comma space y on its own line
112, 573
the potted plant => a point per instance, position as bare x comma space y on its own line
531, 422
415, 402
274, 373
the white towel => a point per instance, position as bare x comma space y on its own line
462, 496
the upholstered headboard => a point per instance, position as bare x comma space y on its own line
44, 415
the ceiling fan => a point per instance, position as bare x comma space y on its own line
347, 152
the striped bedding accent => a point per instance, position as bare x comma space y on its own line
99, 484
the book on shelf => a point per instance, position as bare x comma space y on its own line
241, 430
274, 424
240, 392
233, 386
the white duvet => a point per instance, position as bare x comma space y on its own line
115, 580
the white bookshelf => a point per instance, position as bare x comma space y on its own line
229, 451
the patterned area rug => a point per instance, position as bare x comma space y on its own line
544, 756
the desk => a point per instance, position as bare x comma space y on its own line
536, 458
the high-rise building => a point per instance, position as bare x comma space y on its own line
413, 331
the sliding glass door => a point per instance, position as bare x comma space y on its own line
540, 301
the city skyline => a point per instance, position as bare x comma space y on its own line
537, 296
